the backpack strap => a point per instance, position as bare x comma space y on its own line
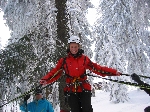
64, 62
84, 60
75, 80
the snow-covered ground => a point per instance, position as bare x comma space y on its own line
137, 102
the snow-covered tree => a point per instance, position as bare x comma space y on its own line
118, 43
111, 36
13, 68
35, 22
0, 43
137, 49
105, 86
78, 24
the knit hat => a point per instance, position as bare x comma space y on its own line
38, 91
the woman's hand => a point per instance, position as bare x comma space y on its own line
118, 74
43, 82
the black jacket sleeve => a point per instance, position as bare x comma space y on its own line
137, 79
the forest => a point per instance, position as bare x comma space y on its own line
119, 38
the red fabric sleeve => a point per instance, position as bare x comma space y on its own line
55, 73
100, 70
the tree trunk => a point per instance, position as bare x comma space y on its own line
61, 43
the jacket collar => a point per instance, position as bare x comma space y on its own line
39, 101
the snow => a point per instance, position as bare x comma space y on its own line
5, 33
137, 102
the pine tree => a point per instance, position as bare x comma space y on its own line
110, 38
118, 43
35, 22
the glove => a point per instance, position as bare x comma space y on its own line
43, 82
147, 109
136, 78
26, 97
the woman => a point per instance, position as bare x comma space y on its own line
75, 65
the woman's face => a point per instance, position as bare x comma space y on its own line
74, 47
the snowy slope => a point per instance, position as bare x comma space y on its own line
137, 102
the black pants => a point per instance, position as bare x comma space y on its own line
80, 102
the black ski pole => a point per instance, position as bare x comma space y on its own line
102, 72
122, 82
22, 95
138, 75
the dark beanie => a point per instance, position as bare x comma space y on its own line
38, 91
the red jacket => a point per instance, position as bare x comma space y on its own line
75, 68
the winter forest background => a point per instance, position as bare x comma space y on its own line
119, 38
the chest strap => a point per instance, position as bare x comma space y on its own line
76, 82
